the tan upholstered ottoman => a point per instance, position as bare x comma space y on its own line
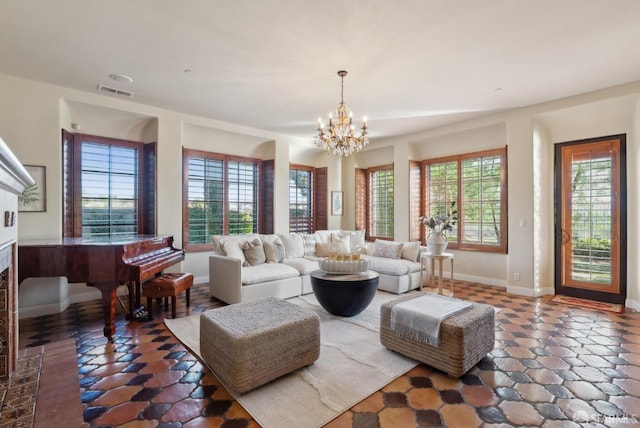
249, 344
465, 338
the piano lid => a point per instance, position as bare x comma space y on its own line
91, 241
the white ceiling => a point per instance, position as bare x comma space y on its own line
271, 64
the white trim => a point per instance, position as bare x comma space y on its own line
633, 304
40, 310
59, 307
477, 279
201, 279
530, 292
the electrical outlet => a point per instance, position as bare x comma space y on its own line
516, 277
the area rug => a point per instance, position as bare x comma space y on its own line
589, 304
352, 365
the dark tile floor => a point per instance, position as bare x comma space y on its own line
552, 366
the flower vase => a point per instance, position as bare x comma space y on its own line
436, 242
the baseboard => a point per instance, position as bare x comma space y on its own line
40, 310
633, 304
477, 279
59, 307
529, 292
200, 279
511, 289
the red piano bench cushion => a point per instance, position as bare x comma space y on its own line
167, 285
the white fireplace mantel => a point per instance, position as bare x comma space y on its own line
14, 177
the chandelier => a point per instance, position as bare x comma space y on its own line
339, 138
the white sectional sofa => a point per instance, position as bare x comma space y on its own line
250, 267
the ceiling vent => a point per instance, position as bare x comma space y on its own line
115, 91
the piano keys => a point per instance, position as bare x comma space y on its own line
104, 263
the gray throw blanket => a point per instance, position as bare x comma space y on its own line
420, 318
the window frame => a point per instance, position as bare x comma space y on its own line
502, 246
186, 154
72, 200
312, 188
369, 214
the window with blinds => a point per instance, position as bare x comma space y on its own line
301, 193
220, 197
442, 190
381, 202
205, 198
242, 197
109, 175
477, 183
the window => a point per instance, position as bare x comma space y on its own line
477, 183
301, 191
104, 187
380, 204
220, 197
109, 175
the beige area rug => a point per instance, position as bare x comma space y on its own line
352, 365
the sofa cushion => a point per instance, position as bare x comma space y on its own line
273, 251
325, 235
293, 245
387, 249
231, 247
303, 265
395, 267
324, 249
254, 252
411, 251
267, 272
342, 244
309, 240
356, 238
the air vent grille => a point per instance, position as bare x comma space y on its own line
115, 91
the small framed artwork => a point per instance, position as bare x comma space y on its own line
34, 197
336, 203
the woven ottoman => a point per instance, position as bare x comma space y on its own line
249, 344
465, 338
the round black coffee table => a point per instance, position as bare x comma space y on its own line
344, 295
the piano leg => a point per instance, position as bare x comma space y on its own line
108, 291
136, 311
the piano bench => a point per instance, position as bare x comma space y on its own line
167, 285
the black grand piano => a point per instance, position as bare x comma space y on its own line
104, 263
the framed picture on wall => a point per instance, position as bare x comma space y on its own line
34, 197
336, 203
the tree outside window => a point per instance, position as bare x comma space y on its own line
477, 183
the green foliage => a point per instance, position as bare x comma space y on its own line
592, 246
442, 222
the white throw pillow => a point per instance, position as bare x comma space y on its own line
411, 251
309, 240
343, 243
231, 247
273, 251
387, 249
293, 245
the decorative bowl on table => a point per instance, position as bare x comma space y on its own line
340, 266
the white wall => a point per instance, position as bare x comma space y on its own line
530, 133
32, 114
31, 117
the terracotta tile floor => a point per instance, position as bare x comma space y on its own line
552, 366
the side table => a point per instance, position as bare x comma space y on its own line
440, 258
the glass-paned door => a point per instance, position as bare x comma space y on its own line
590, 221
